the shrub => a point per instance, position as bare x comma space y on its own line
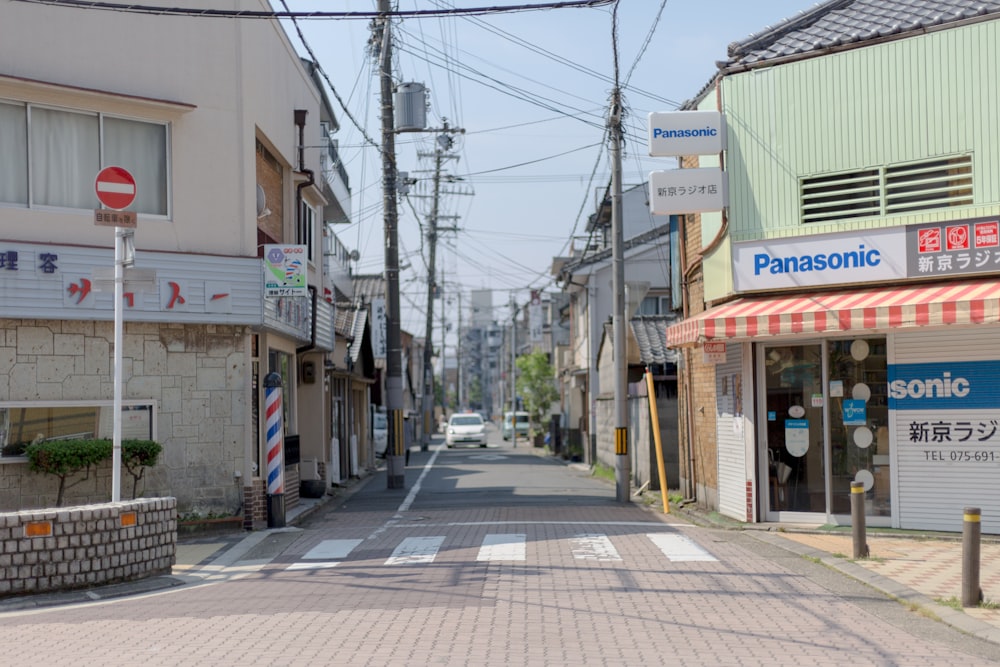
64, 458
137, 455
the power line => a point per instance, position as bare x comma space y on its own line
249, 14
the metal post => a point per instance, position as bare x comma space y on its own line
116, 424
858, 520
972, 594
655, 419
395, 450
275, 451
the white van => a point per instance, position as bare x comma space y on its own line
523, 422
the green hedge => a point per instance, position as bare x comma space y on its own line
65, 458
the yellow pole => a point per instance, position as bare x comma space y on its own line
656, 439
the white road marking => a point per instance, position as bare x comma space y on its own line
510, 546
332, 549
416, 551
679, 548
318, 565
594, 546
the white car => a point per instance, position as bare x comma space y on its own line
466, 428
380, 433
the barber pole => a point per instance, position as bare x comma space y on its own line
275, 479
275, 457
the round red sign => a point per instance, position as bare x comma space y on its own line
115, 188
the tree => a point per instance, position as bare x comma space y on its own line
536, 384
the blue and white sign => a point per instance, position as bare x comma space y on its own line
951, 385
871, 255
797, 436
854, 412
679, 133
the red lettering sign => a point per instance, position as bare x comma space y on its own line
957, 236
987, 234
929, 240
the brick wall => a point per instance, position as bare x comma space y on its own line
88, 545
699, 472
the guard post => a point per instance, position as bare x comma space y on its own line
858, 531
275, 452
972, 594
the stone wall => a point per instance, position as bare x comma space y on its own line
194, 374
84, 546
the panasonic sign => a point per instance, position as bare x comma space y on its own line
871, 255
953, 385
686, 133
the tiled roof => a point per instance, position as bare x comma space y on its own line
843, 22
650, 333
369, 286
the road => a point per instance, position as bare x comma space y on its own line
496, 557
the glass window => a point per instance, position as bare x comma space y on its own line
24, 423
13, 154
65, 158
859, 423
66, 149
141, 148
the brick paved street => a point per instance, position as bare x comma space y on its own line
550, 572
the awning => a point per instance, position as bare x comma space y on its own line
967, 302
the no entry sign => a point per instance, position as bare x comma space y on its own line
115, 188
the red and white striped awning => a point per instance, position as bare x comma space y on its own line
879, 308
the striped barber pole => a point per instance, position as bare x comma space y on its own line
902, 306
275, 469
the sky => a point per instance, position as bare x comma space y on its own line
530, 90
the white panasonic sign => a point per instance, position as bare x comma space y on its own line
686, 133
872, 255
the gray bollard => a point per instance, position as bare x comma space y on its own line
972, 594
858, 520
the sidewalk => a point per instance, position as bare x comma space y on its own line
923, 570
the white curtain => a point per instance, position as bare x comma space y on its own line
140, 148
65, 157
13, 154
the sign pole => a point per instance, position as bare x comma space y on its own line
115, 189
116, 462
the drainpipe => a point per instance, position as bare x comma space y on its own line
300, 122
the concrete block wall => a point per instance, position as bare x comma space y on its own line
88, 545
194, 374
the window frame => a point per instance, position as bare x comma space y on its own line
7, 406
31, 156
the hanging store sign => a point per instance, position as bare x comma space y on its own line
680, 191
379, 347
686, 133
285, 270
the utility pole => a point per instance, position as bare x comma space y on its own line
513, 371
623, 467
444, 332
458, 357
444, 144
395, 463
428, 401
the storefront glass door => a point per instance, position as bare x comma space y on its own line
794, 412
826, 416
859, 424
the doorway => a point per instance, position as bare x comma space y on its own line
794, 414
826, 426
